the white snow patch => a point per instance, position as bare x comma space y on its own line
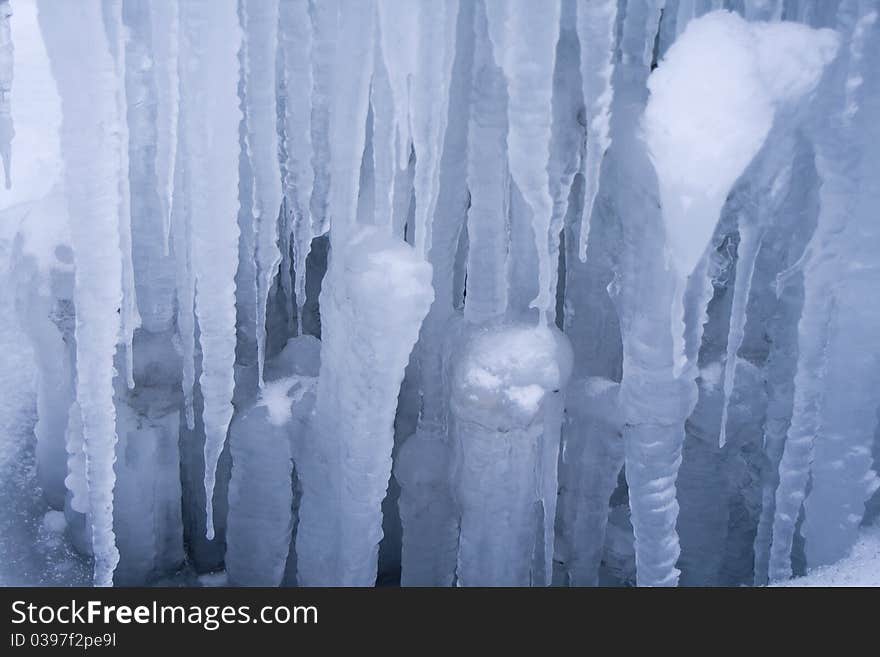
513, 367
528, 397
713, 101
860, 568
276, 398
54, 522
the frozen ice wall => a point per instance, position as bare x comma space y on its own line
473, 292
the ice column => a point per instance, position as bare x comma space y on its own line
507, 415
374, 297
653, 404
372, 307
86, 76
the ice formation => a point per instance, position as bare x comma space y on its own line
461, 293
7, 132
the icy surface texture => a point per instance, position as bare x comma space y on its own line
472, 292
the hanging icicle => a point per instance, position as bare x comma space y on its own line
209, 69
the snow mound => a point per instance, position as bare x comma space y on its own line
507, 372
713, 101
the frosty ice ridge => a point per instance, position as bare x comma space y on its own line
461, 293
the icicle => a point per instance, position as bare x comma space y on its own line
164, 35
429, 98
596, 27
86, 76
746, 254
262, 38
488, 183
7, 132
524, 36
246, 273
794, 468
566, 142
325, 22
398, 27
296, 36
130, 317
769, 179
181, 234
209, 69
353, 67
384, 152
417, 44
781, 367
402, 201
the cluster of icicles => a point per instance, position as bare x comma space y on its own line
467, 201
